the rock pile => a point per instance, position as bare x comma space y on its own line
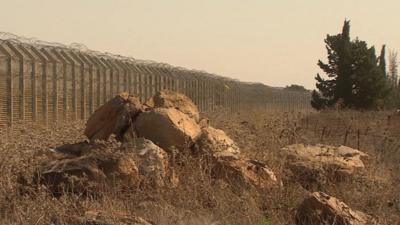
150, 134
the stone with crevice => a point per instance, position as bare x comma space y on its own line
320, 208
176, 100
245, 172
114, 117
88, 173
322, 163
153, 163
168, 128
215, 142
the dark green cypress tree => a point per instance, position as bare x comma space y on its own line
382, 60
344, 77
338, 85
356, 77
370, 86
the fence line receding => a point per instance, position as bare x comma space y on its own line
45, 82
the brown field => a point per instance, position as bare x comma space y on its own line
201, 200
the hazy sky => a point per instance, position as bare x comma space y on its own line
274, 42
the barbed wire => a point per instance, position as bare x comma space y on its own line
30, 41
175, 70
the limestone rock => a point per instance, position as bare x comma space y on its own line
245, 172
171, 99
167, 127
87, 173
153, 163
217, 143
320, 208
204, 123
114, 117
320, 163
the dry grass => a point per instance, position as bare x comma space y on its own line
201, 200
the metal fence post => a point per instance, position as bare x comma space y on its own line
9, 90
64, 83
111, 78
43, 84
135, 79
33, 107
21, 86
90, 92
129, 73
73, 84
54, 94
100, 73
107, 82
141, 83
82, 86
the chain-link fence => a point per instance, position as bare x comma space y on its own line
48, 82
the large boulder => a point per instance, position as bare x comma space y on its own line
321, 163
153, 163
320, 208
215, 142
171, 99
244, 172
98, 217
87, 173
167, 128
87, 168
227, 164
114, 117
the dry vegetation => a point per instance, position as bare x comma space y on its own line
201, 200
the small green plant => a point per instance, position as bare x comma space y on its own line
265, 221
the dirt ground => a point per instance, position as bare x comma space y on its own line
200, 199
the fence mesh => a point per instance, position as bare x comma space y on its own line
46, 82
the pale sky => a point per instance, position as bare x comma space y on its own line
274, 42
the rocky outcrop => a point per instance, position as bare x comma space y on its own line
171, 99
320, 163
149, 141
88, 173
114, 117
167, 128
320, 208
